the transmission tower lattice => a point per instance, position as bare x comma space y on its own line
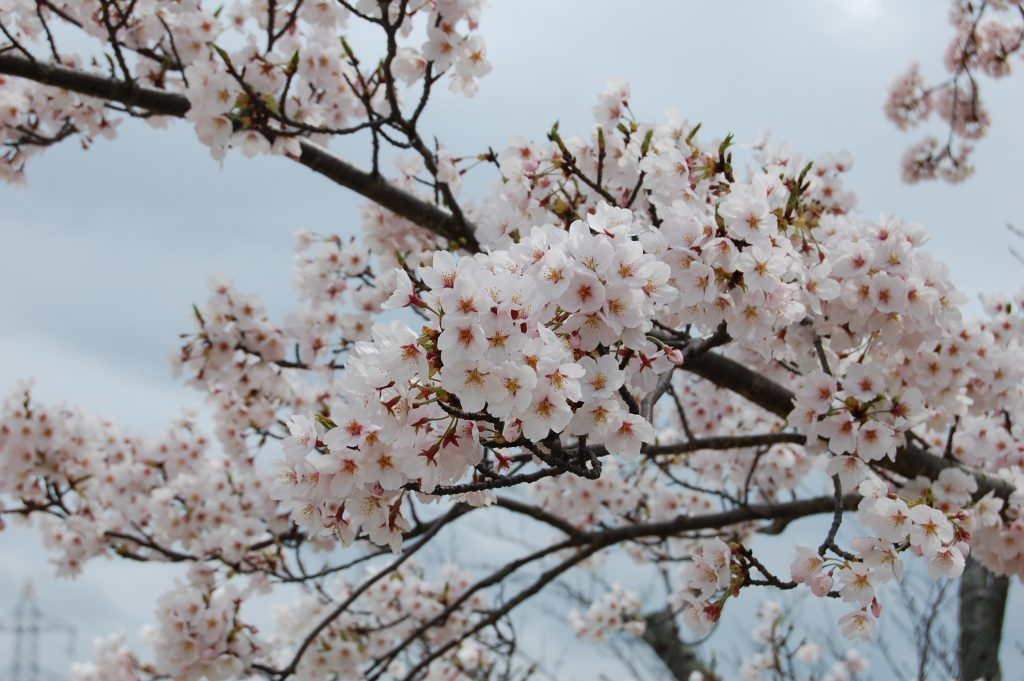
27, 624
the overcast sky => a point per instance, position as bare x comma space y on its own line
105, 251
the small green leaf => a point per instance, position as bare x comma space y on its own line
325, 421
646, 144
348, 49
693, 133
293, 64
223, 54
726, 143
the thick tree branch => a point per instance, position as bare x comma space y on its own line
790, 510
725, 442
910, 462
680, 659
317, 158
92, 85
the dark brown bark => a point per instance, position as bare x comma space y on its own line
982, 606
680, 659
129, 94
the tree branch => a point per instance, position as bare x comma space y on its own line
680, 659
314, 157
911, 461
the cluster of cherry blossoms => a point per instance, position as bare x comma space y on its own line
566, 295
256, 75
934, 520
617, 610
987, 36
252, 369
107, 493
510, 353
307, 79
708, 580
43, 116
167, 499
113, 660
802, 658
199, 634
739, 251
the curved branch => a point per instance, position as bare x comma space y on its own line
408, 553
315, 157
911, 461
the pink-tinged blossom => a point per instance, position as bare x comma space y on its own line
857, 625
304, 434
547, 412
404, 293
821, 584
890, 519
850, 469
472, 381
611, 220
863, 381
930, 529
986, 510
602, 377
841, 432
631, 434
817, 392
875, 440
857, 583
947, 562
806, 565
709, 571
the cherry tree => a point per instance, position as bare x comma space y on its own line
630, 343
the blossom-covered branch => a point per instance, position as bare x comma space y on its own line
639, 344
988, 34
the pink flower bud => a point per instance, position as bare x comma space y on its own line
821, 584
512, 430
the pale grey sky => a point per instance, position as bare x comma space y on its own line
105, 251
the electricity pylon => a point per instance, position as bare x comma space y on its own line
27, 624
